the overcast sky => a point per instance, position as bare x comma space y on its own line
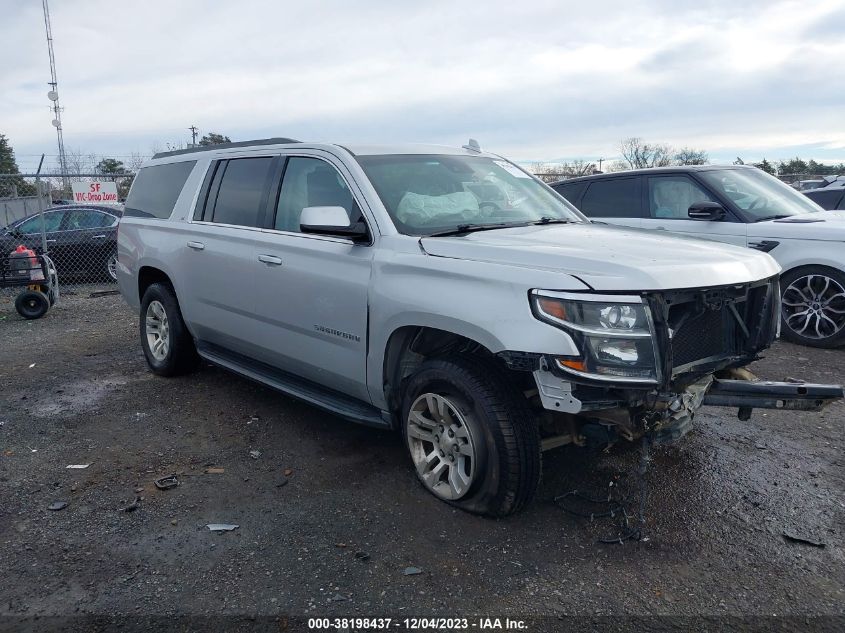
534, 80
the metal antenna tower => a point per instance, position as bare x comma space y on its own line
53, 95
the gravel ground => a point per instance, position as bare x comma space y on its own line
330, 514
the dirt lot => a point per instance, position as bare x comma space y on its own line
336, 535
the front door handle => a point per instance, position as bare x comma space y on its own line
272, 260
99, 237
51, 240
197, 246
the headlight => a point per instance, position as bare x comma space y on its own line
613, 333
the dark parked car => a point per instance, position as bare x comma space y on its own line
831, 196
81, 239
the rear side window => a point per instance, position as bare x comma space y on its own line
841, 202
242, 195
617, 198
571, 190
156, 189
87, 219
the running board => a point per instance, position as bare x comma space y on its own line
332, 401
790, 396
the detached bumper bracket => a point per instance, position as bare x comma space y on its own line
790, 396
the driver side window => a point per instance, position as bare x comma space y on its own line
311, 182
52, 222
670, 197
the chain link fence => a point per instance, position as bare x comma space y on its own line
73, 220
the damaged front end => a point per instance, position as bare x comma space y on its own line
649, 361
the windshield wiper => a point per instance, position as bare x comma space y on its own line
774, 217
471, 228
547, 220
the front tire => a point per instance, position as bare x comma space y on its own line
813, 306
471, 436
167, 344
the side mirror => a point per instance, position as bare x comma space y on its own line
331, 221
706, 210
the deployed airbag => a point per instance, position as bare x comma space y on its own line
418, 209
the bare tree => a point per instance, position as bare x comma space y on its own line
550, 172
640, 154
691, 156
579, 167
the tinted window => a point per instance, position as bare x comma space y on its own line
52, 221
670, 197
155, 189
87, 219
617, 198
825, 199
310, 182
571, 190
242, 190
841, 203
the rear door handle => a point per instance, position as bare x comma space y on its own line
270, 259
51, 240
99, 237
197, 246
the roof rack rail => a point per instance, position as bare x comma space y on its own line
204, 148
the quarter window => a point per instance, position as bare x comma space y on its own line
155, 189
616, 198
670, 197
571, 191
311, 182
242, 190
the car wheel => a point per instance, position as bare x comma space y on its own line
167, 344
471, 436
111, 266
32, 304
813, 306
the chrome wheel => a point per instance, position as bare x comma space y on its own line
814, 306
158, 330
441, 446
111, 266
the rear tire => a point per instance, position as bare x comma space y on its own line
813, 306
471, 435
167, 344
111, 267
32, 304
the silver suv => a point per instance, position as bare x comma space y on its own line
445, 293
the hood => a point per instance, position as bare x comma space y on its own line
611, 258
819, 225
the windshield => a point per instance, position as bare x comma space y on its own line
426, 194
759, 195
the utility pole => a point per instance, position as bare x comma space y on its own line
53, 95
194, 131
601, 160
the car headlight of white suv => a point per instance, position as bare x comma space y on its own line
615, 334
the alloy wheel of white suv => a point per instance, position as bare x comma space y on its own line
813, 306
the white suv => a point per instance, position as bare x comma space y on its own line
740, 205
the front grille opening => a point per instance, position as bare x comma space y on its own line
699, 336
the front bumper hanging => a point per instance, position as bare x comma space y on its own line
790, 396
